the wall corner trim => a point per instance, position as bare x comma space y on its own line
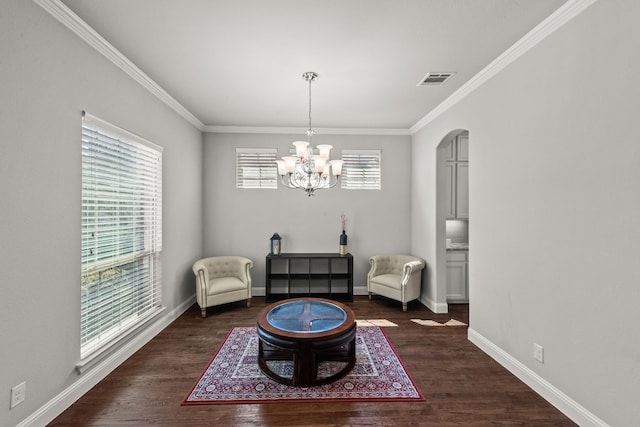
546, 390
436, 307
69, 19
301, 131
564, 14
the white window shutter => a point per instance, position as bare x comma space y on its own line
256, 168
121, 233
361, 170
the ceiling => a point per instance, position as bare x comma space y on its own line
240, 62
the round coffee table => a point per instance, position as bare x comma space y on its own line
306, 331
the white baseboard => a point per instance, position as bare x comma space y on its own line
548, 391
360, 290
68, 396
261, 291
435, 306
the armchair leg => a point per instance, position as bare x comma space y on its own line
370, 293
404, 306
203, 312
248, 302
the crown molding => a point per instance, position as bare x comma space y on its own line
564, 14
72, 21
302, 131
68, 18
556, 20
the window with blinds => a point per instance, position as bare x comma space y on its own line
121, 233
256, 168
361, 170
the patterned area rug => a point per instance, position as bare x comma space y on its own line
233, 375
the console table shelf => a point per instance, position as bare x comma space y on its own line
323, 275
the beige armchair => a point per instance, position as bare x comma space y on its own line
222, 279
395, 276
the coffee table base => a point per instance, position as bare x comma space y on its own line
306, 355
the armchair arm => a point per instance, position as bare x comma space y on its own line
374, 266
248, 264
201, 272
202, 282
409, 268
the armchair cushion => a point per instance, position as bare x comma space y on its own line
225, 284
390, 280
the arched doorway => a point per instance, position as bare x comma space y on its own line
452, 237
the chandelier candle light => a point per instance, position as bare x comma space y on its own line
308, 171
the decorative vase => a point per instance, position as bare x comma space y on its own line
343, 243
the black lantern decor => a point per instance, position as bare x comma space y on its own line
275, 244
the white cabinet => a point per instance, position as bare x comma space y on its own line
462, 190
457, 277
450, 190
457, 178
450, 155
462, 147
458, 148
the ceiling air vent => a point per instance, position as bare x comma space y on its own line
435, 79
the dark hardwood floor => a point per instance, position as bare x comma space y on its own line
462, 385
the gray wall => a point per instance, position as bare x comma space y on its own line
554, 204
47, 77
553, 161
241, 221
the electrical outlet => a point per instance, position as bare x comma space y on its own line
538, 352
18, 394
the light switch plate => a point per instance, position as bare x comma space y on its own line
18, 394
538, 353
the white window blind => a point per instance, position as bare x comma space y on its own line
256, 168
361, 170
121, 233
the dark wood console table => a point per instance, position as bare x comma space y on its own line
322, 275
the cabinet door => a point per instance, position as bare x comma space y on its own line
457, 277
462, 190
462, 147
450, 190
451, 151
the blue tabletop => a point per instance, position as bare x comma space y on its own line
306, 316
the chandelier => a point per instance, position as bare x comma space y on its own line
307, 170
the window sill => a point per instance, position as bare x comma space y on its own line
118, 345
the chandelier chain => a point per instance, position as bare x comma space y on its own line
310, 132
